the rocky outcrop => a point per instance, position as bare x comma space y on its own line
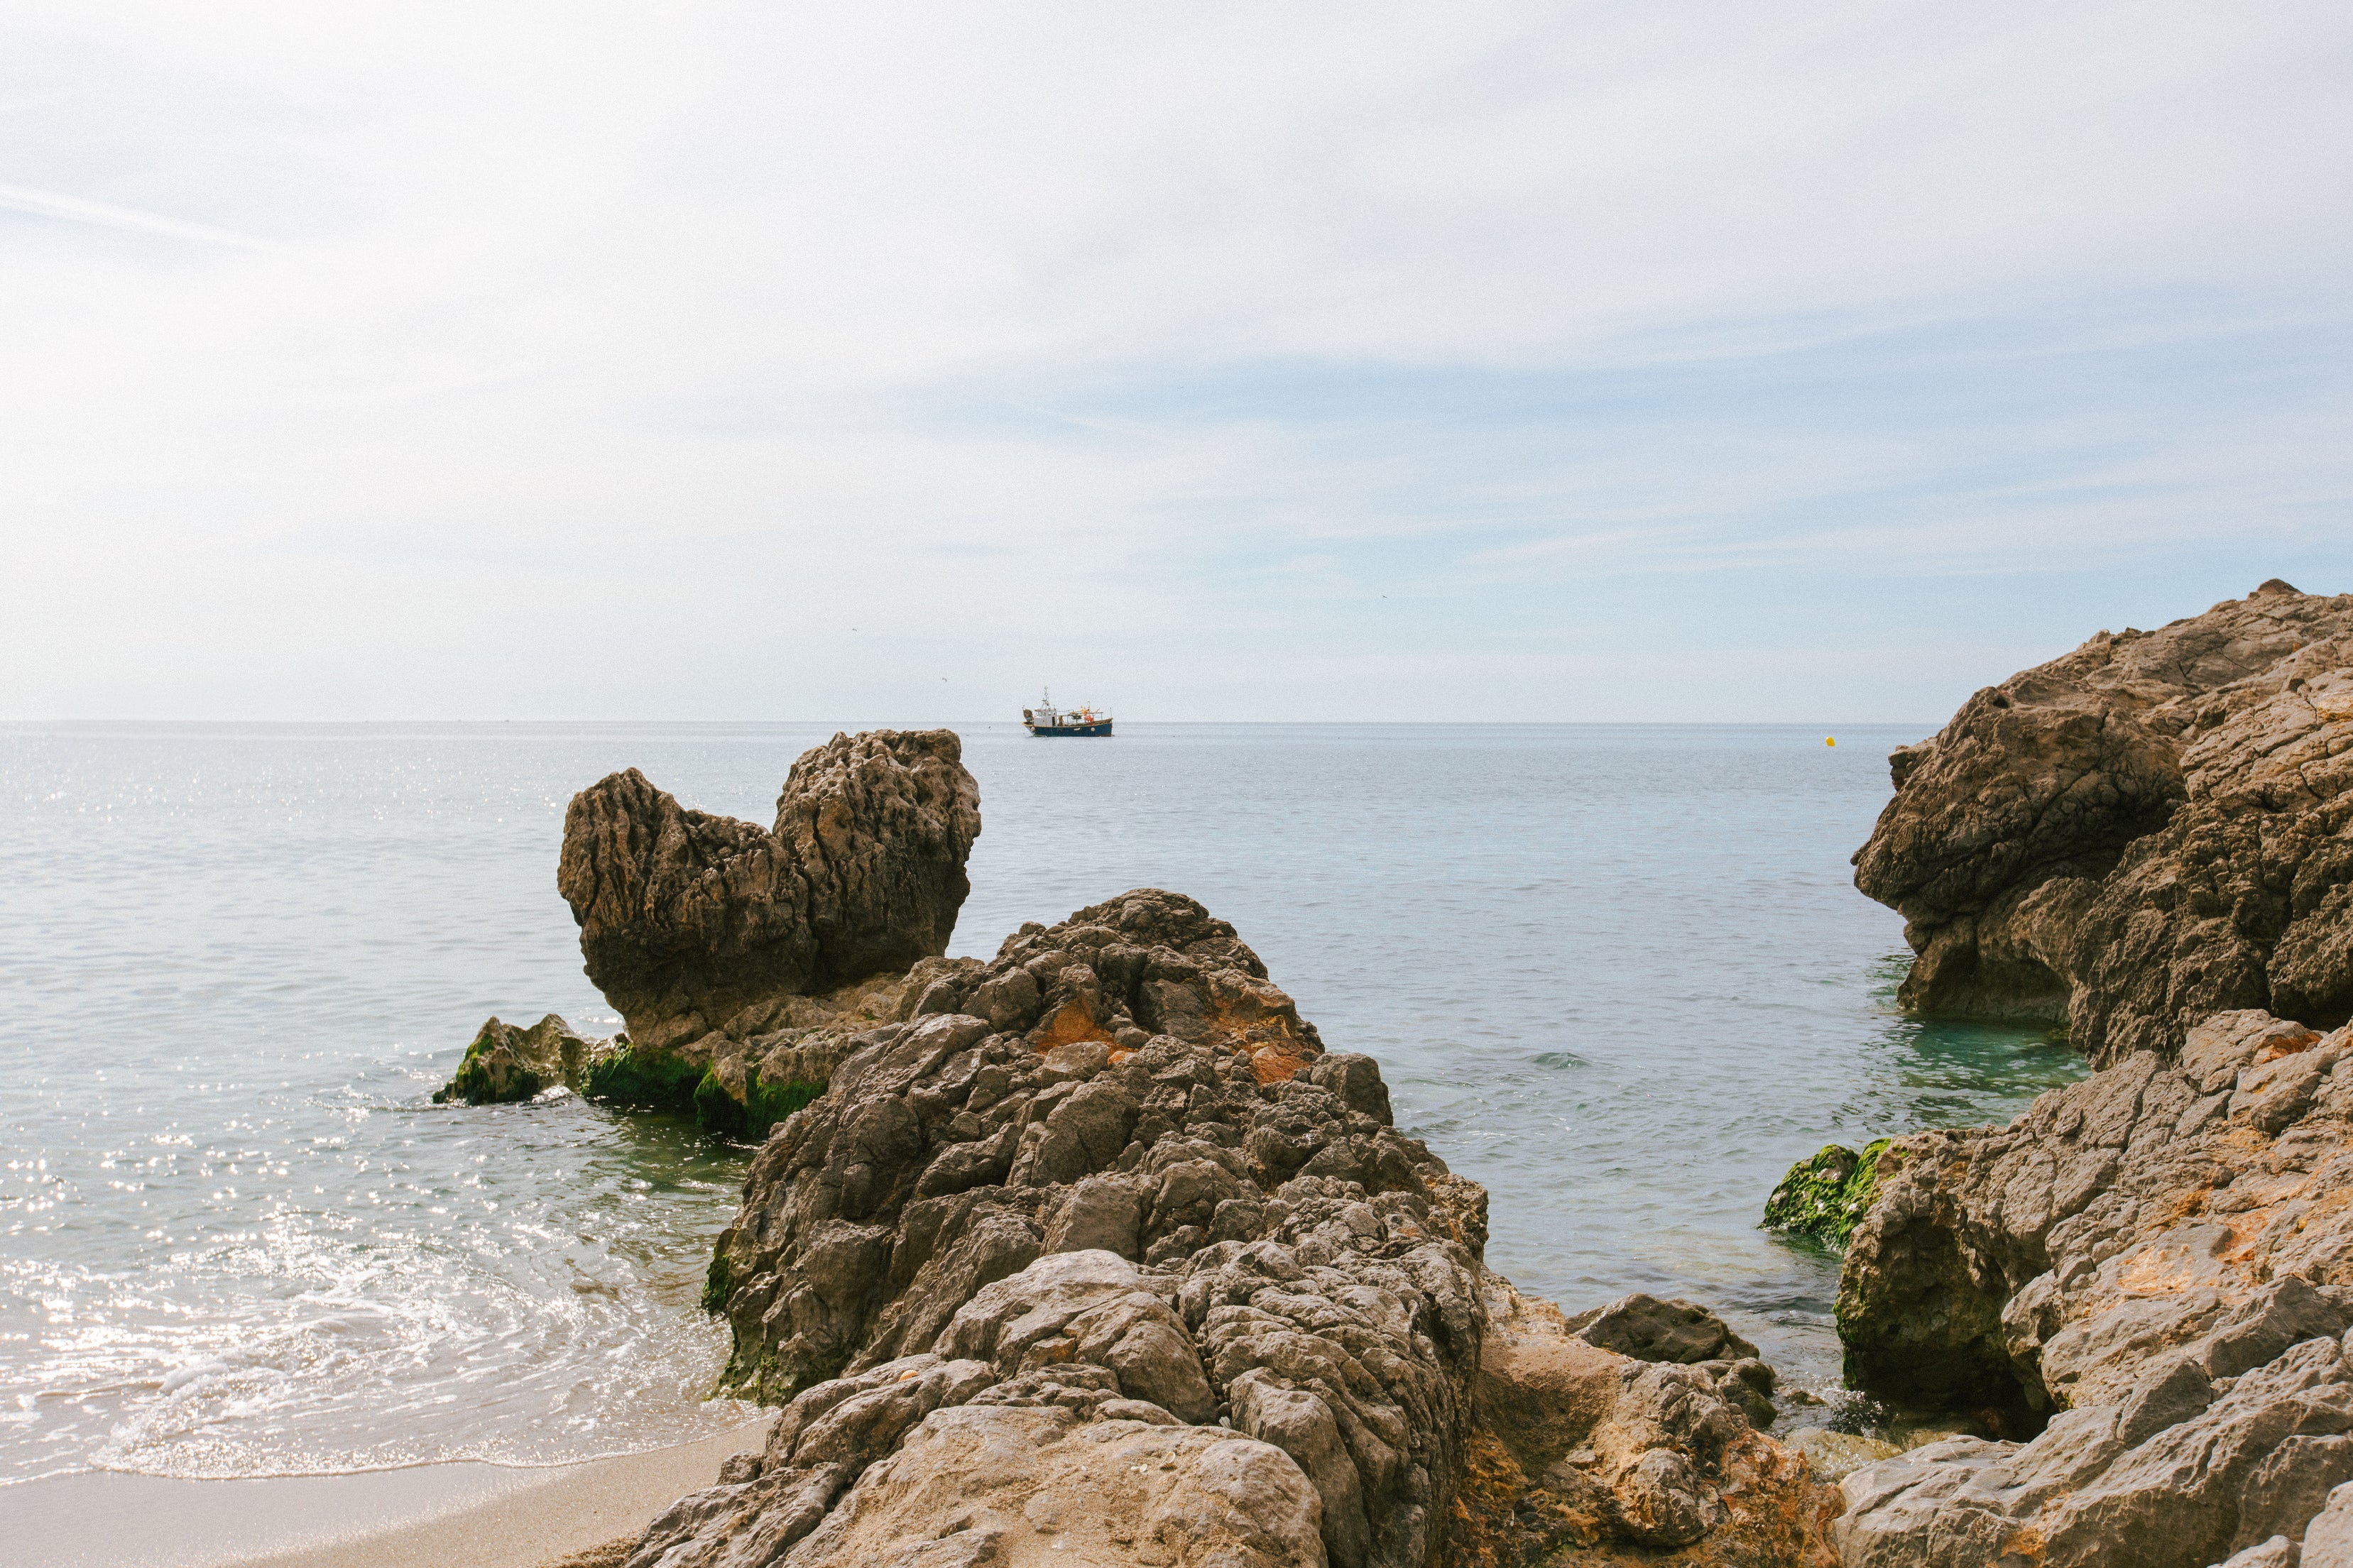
1100, 1254
694, 925
1018, 1114
2152, 829
2158, 1261
504, 1063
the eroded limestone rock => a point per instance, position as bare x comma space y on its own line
2160, 1259
694, 924
1106, 1202
2154, 829
1580, 1456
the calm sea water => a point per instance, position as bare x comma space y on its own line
1617, 974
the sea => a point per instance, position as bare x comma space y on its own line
1617, 973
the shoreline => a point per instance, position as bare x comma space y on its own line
421, 1515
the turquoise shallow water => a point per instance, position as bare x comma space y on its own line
1616, 973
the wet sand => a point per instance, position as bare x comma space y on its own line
431, 1516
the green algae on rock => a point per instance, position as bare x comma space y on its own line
1926, 1335
718, 1110
637, 1079
1826, 1195
732, 1088
505, 1063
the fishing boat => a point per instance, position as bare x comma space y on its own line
1047, 719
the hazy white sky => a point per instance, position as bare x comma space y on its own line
871, 361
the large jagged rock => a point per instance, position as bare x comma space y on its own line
1102, 1254
2158, 1258
942, 1462
694, 925
2154, 829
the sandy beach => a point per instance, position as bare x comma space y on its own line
429, 1516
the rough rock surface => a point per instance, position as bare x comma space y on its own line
504, 1063
1647, 1328
2152, 829
2327, 1539
2160, 1260
748, 1084
1581, 1457
694, 924
1102, 1257
942, 1462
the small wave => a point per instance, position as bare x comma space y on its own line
173, 1383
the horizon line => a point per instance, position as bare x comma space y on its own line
859, 726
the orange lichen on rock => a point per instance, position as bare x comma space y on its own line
1499, 1522
2280, 1046
1260, 1022
1779, 1513
1274, 1064
1067, 1027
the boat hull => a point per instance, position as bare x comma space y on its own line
1103, 728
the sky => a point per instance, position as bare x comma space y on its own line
1553, 362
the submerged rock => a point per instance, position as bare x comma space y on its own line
1647, 1328
2152, 829
1834, 1456
505, 1063
732, 1088
694, 924
1826, 1196
2159, 1260
1102, 1253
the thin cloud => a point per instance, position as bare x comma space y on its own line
107, 215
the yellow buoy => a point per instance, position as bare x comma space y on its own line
1830, 739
